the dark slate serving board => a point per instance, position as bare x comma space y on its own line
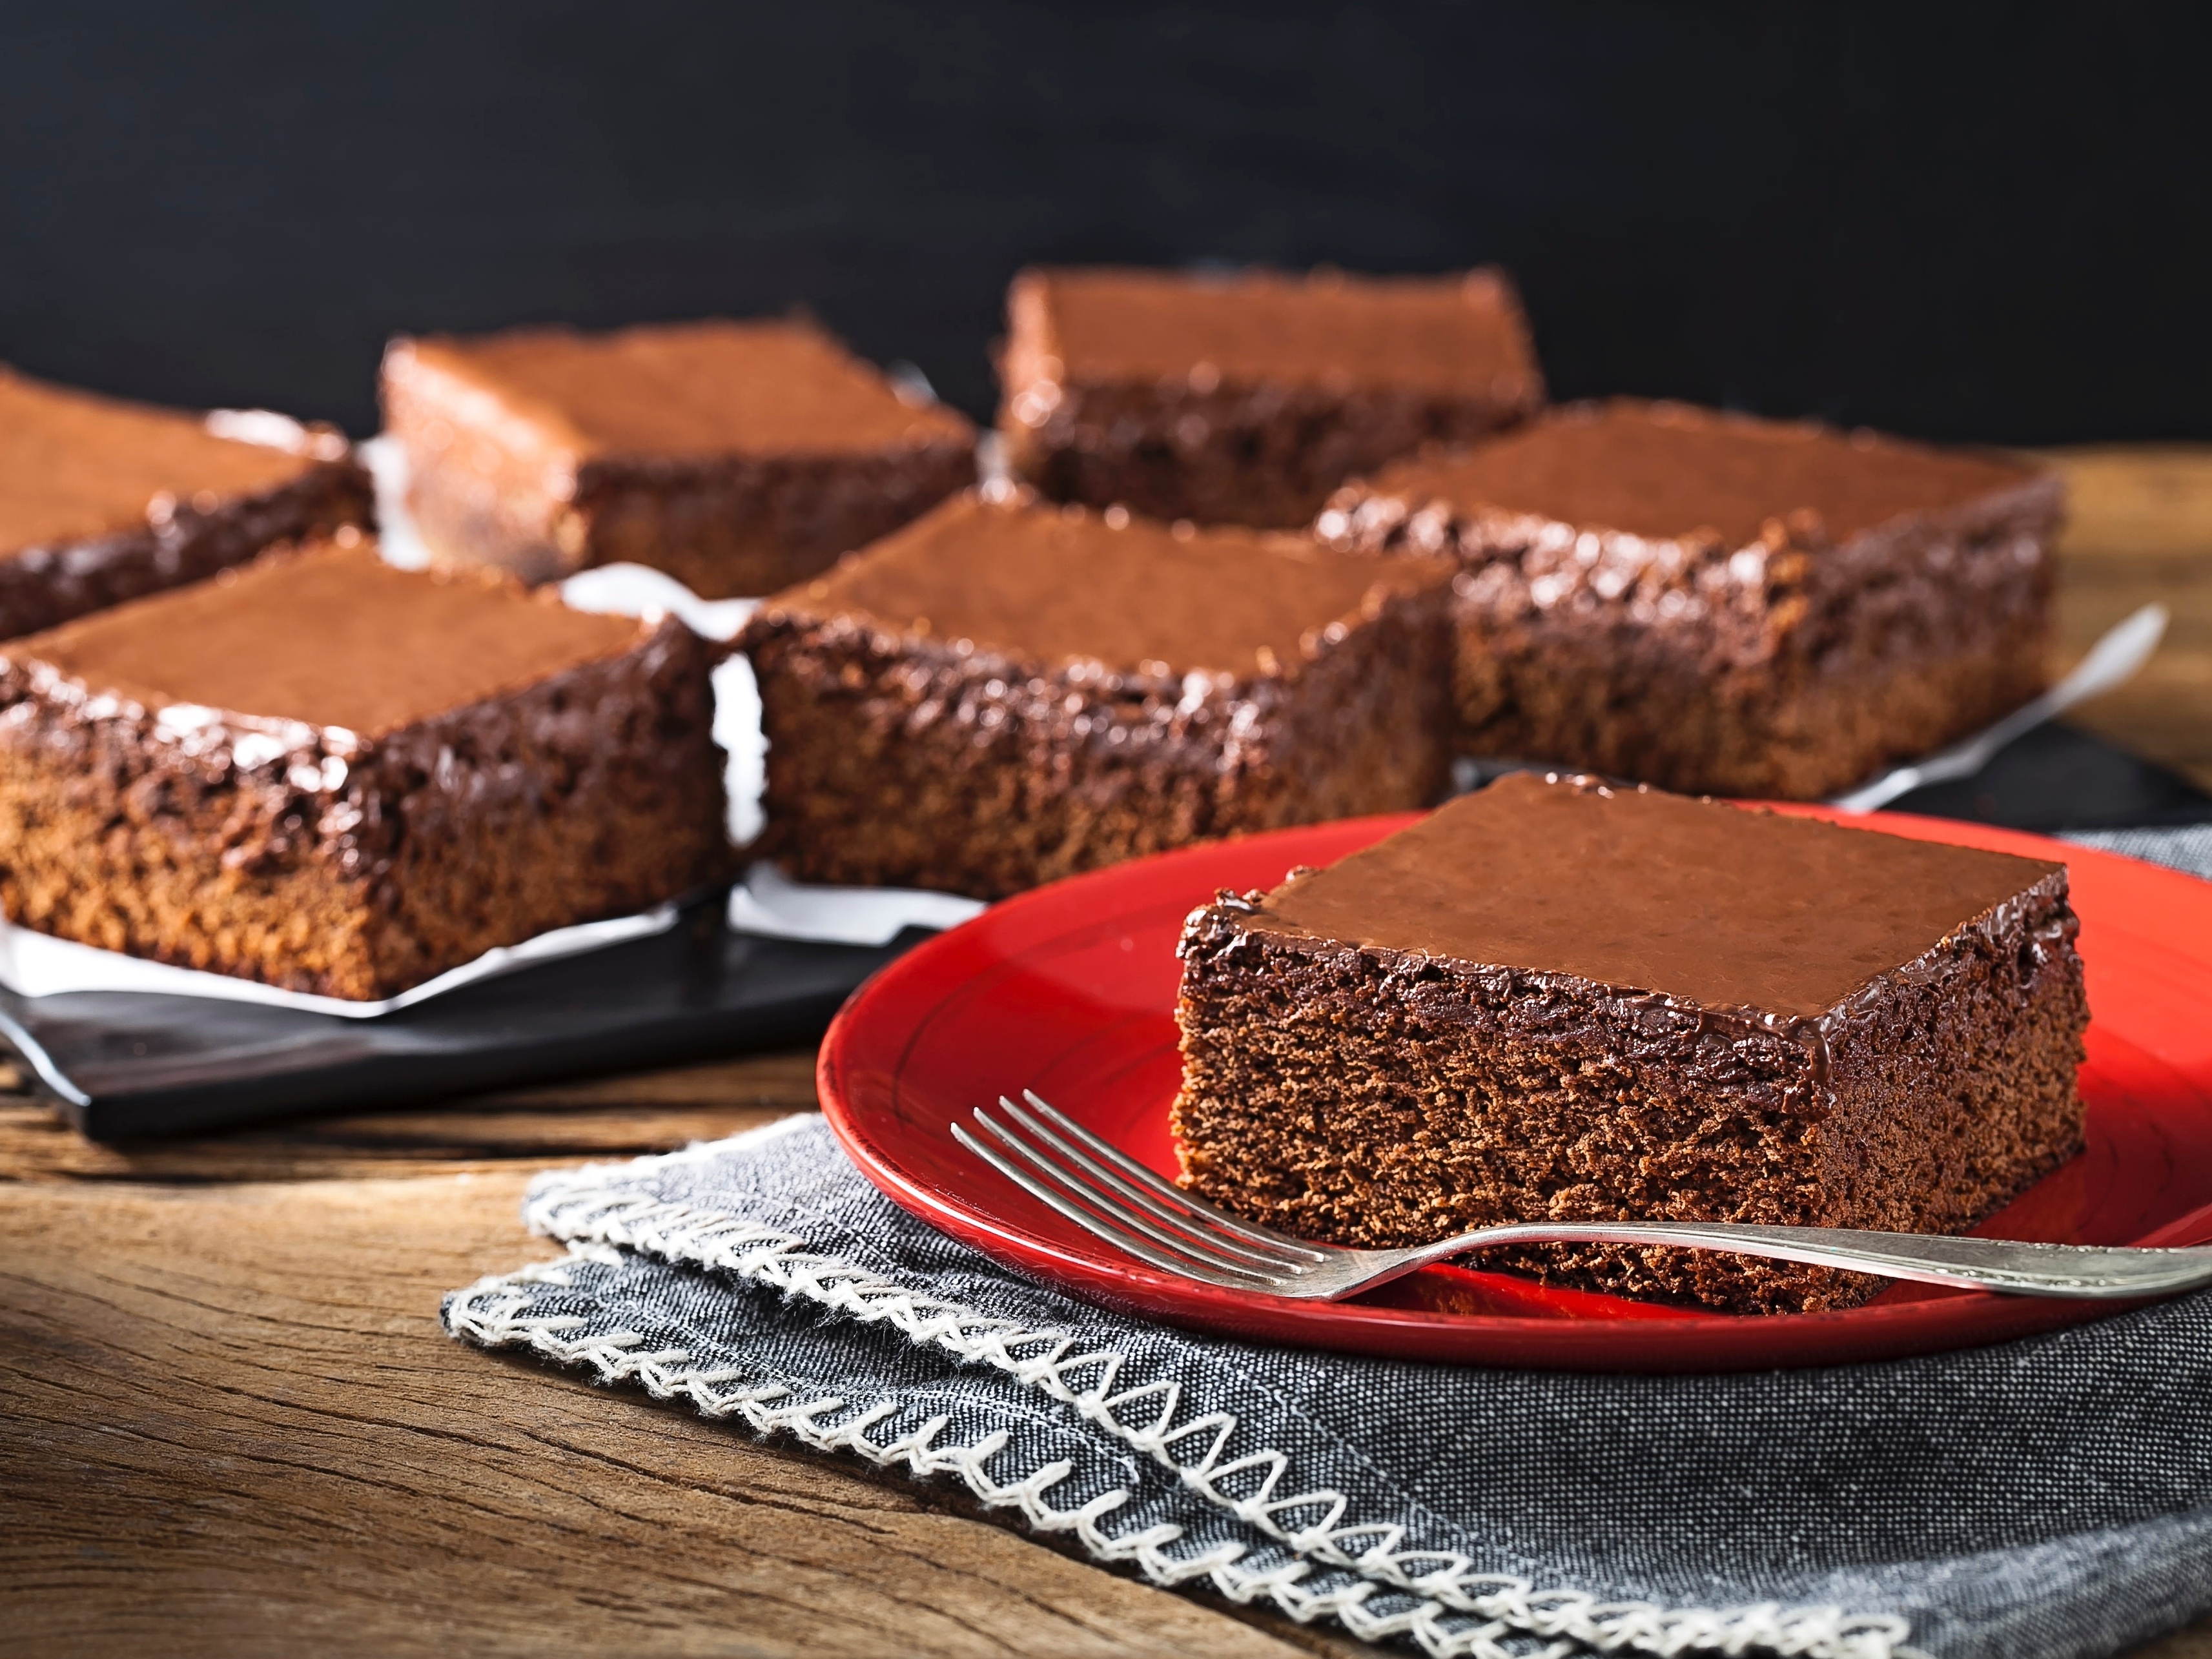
2058, 778
126, 1065
123, 1066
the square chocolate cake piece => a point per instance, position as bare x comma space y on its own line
1003, 693
736, 457
1716, 603
1553, 1001
1246, 398
102, 500
327, 774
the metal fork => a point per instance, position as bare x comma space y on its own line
1059, 1161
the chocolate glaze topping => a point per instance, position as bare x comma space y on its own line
1057, 585
690, 389
1664, 469
1698, 901
73, 466
328, 636
1451, 333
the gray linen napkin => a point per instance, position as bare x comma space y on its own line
2051, 1497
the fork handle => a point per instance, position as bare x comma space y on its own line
1987, 1264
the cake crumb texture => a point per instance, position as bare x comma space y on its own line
357, 864
1374, 1095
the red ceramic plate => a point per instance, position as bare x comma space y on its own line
1070, 990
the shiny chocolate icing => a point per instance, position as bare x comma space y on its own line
328, 636
1055, 585
1459, 333
75, 466
1694, 901
683, 390
1667, 470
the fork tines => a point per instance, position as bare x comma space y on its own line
1059, 1163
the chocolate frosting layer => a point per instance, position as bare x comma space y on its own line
328, 636
1667, 470
1056, 585
1699, 900
75, 466
685, 390
1457, 334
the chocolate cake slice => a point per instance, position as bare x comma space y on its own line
1712, 603
325, 773
102, 500
1245, 397
1553, 999
1003, 693
736, 457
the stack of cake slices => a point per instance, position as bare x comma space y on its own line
997, 696
233, 739
1270, 550
1273, 550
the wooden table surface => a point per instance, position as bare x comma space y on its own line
230, 1424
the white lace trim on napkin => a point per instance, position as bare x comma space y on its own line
597, 1218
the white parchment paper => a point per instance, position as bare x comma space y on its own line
35, 964
768, 902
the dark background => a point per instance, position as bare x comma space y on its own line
1960, 221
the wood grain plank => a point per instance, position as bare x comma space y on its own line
607, 1117
2140, 528
235, 1427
